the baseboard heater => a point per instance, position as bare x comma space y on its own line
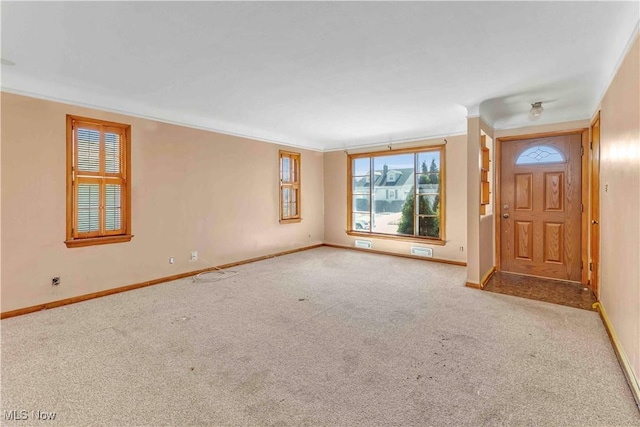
421, 251
364, 244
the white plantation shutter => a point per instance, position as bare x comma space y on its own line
294, 202
286, 169
286, 201
113, 207
88, 151
112, 152
88, 208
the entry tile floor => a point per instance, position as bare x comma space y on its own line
553, 291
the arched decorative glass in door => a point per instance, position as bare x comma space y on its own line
540, 154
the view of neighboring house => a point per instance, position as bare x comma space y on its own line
391, 188
390, 191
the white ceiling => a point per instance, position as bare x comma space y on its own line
323, 75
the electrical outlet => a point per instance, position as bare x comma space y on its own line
461, 248
55, 281
172, 260
194, 256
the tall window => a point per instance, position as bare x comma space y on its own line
289, 187
398, 194
98, 182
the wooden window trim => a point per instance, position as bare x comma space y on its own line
290, 221
118, 236
102, 240
422, 239
294, 185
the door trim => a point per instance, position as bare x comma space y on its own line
593, 255
584, 244
585, 208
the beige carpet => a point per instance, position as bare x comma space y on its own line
321, 337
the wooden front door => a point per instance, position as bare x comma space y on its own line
540, 208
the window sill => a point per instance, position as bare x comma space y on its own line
92, 241
289, 221
424, 240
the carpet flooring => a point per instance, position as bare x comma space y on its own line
322, 337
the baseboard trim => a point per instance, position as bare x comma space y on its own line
632, 380
473, 285
443, 261
112, 291
106, 292
487, 277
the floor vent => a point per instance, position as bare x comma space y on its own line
420, 251
365, 244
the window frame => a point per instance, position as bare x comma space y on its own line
292, 184
441, 241
123, 178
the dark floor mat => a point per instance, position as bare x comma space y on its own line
553, 291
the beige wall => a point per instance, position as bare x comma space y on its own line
480, 238
487, 229
487, 221
534, 129
335, 201
192, 190
487, 246
620, 204
472, 162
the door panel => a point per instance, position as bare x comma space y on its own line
541, 207
524, 192
553, 191
524, 240
553, 242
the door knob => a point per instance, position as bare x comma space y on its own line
594, 222
505, 215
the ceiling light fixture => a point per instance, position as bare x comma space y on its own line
5, 61
536, 110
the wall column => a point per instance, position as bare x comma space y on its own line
480, 232
473, 200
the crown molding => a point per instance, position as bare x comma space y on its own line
187, 124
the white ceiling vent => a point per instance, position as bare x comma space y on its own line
420, 251
364, 244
